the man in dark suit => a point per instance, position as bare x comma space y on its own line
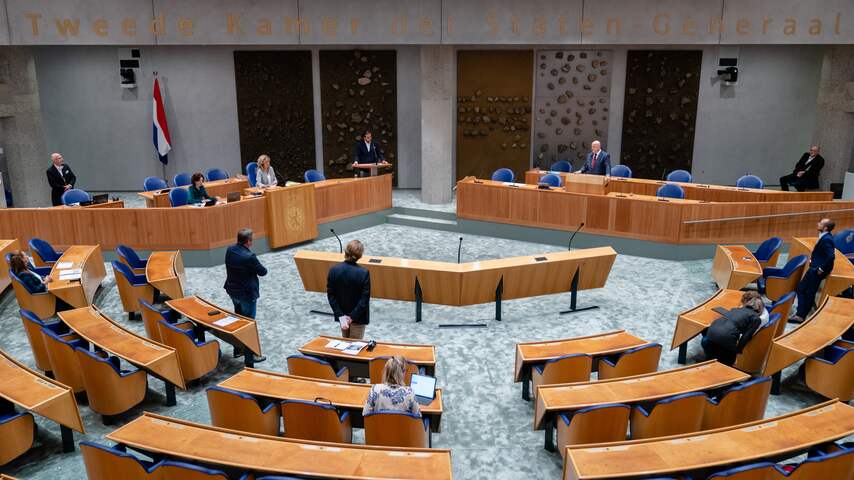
348, 288
60, 177
598, 161
805, 174
366, 151
242, 270
821, 264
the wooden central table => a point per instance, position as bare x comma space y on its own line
734, 267
81, 292
165, 272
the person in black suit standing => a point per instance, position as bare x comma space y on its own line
60, 177
598, 161
348, 288
805, 174
366, 151
821, 264
242, 270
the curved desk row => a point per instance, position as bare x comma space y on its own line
421, 355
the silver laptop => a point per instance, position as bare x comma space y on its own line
424, 388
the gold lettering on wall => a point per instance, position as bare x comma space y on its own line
561, 25
67, 26
765, 22
716, 26
789, 26
185, 26
742, 26
100, 27
492, 23
129, 27
157, 27
399, 25
299, 25
330, 27
815, 27
265, 27
426, 27
689, 27
661, 24
354, 26
232, 24
34, 21
539, 26
613, 26
586, 26
450, 23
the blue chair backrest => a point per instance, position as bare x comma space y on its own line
767, 248
793, 264
147, 466
750, 181
670, 190
503, 175
745, 468
834, 353
179, 197
561, 166
551, 180
313, 176
567, 417
207, 472
75, 195
679, 176
246, 396
112, 361
252, 173
739, 387
844, 241
424, 420
129, 255
785, 298
646, 410
621, 171
153, 183
182, 179
216, 174
46, 250
126, 272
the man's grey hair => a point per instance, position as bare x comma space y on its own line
244, 235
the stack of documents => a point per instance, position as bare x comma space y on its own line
224, 322
70, 273
350, 348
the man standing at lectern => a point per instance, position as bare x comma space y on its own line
598, 161
366, 150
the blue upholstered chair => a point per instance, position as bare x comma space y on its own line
503, 175
177, 469
132, 288
776, 282
621, 171
101, 461
241, 411
277, 477
844, 241
312, 176
825, 371
561, 166
33, 326
18, 432
551, 180
634, 361
670, 190
153, 183
252, 173
110, 389
597, 424
197, 356
740, 403
43, 253
574, 367
75, 195
151, 315
683, 176
782, 306
63, 359
313, 367
215, 174
669, 416
840, 463
182, 179
43, 304
130, 258
178, 197
316, 421
752, 357
750, 181
750, 471
395, 429
768, 251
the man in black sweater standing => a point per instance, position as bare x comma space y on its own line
348, 288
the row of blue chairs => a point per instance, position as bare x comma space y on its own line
183, 179
682, 176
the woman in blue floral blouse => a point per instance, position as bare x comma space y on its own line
392, 394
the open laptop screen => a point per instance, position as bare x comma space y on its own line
423, 386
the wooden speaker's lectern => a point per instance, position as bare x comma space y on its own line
583, 183
290, 215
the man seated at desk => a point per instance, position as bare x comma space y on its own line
805, 174
598, 161
366, 151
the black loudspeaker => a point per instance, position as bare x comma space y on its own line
128, 77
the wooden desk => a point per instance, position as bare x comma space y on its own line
460, 284
165, 272
533, 353
345, 396
260, 453
346, 197
372, 168
155, 358
840, 278
79, 293
832, 318
655, 198
242, 334
291, 216
772, 438
7, 246
218, 188
108, 204
39, 394
691, 323
421, 355
553, 399
734, 267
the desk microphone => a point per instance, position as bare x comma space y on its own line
281, 178
569, 247
460, 250
341, 246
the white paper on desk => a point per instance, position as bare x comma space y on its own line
69, 271
70, 276
335, 344
63, 265
355, 348
224, 322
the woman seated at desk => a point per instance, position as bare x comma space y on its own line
33, 282
392, 394
265, 177
197, 191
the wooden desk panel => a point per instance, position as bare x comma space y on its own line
734, 267
291, 215
79, 293
422, 355
108, 204
530, 353
242, 333
7, 246
348, 197
96, 328
37, 393
839, 279
165, 272
261, 453
343, 395
833, 318
552, 399
691, 322
217, 188
740, 444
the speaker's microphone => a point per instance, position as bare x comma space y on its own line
341, 246
281, 178
569, 247
460, 250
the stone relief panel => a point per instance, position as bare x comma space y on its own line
573, 89
358, 91
275, 113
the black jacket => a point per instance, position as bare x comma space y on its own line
242, 269
823, 255
734, 328
58, 182
812, 170
361, 153
348, 287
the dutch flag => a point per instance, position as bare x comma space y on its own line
162, 142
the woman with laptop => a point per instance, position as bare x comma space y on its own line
392, 394
198, 194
